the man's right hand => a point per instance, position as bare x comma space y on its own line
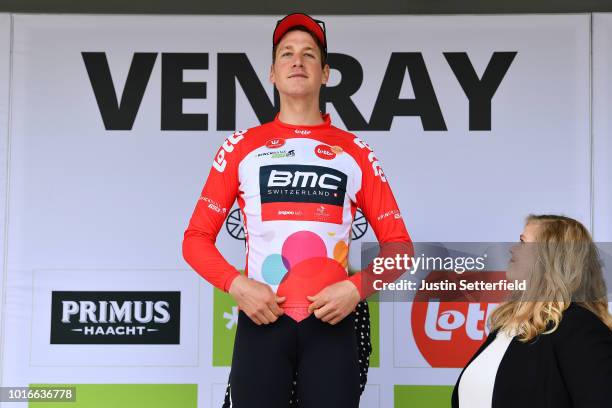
256, 299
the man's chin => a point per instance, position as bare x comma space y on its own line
297, 91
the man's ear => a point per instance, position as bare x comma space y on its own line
271, 76
325, 76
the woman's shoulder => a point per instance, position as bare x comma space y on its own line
577, 320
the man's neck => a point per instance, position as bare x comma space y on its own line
300, 111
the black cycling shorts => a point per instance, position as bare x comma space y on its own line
286, 361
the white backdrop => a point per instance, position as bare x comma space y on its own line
93, 209
602, 126
5, 32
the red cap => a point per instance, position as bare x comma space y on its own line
316, 27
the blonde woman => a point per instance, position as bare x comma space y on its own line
550, 346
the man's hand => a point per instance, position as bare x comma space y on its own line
335, 302
256, 299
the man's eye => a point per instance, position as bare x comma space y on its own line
310, 55
284, 54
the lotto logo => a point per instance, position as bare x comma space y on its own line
440, 326
371, 158
448, 333
324, 152
227, 147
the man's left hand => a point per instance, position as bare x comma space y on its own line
335, 302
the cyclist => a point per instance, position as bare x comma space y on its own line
298, 181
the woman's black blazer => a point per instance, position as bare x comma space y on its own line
571, 367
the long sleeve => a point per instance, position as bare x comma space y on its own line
378, 204
218, 195
583, 348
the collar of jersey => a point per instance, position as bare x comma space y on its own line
326, 123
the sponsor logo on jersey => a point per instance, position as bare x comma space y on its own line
115, 317
324, 182
213, 205
337, 149
313, 193
275, 143
289, 212
448, 333
392, 213
302, 131
322, 214
220, 162
324, 152
277, 154
371, 158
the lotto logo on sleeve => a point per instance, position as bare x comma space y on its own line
227, 147
301, 192
448, 333
376, 167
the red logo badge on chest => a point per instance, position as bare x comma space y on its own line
325, 152
275, 143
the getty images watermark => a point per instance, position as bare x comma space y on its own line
468, 271
459, 265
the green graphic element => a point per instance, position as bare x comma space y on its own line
225, 318
374, 306
430, 396
126, 396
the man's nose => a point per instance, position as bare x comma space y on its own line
297, 60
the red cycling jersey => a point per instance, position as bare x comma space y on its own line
298, 188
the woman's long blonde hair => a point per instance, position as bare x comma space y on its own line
567, 269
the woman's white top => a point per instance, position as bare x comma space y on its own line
478, 379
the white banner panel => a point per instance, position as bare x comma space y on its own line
5, 59
477, 120
602, 126
460, 178
166, 352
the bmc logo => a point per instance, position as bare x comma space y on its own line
227, 147
372, 158
275, 143
298, 183
280, 178
324, 152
